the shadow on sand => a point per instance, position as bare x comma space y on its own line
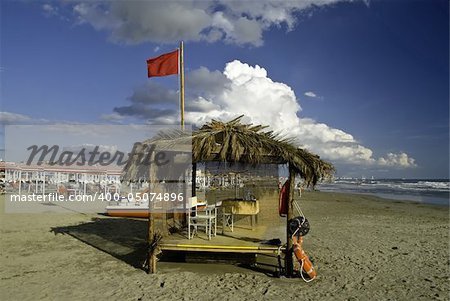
125, 239
122, 238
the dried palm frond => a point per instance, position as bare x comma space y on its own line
234, 141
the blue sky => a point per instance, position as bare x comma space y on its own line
363, 84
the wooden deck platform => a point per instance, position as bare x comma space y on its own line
222, 248
241, 240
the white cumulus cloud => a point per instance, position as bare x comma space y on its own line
238, 22
401, 159
244, 89
250, 92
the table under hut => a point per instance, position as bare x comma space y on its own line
225, 143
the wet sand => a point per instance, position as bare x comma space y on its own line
363, 248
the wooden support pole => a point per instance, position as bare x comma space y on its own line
151, 258
289, 263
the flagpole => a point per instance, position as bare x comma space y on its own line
181, 65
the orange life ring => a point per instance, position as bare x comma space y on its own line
301, 256
283, 199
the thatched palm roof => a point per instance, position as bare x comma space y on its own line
236, 142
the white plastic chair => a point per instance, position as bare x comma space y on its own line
227, 213
191, 216
201, 219
209, 215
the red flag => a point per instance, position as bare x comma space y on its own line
165, 64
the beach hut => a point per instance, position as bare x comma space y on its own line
230, 142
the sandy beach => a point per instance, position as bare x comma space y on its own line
364, 248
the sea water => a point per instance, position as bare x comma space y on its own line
436, 191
